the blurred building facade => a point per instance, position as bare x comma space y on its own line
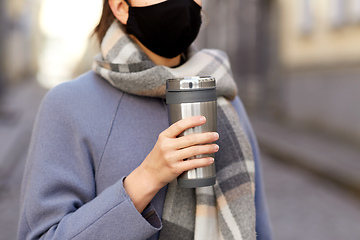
296, 61
19, 39
319, 52
232, 27
2, 40
247, 31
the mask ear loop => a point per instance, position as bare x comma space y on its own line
128, 3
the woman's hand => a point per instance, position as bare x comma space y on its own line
165, 162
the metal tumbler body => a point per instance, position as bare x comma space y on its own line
194, 96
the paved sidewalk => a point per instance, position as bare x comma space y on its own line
328, 158
303, 206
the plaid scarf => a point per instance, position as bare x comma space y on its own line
225, 210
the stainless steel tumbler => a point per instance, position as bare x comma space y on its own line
194, 96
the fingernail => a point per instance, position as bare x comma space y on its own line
211, 160
202, 119
216, 135
216, 147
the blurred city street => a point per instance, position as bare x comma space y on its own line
297, 67
302, 203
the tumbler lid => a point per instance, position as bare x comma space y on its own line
190, 83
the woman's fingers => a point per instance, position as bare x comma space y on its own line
195, 139
175, 129
196, 150
194, 163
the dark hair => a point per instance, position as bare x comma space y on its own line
107, 18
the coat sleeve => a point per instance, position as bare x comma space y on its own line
263, 225
59, 199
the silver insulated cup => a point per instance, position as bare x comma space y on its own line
187, 97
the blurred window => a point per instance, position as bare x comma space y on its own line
354, 11
338, 14
306, 17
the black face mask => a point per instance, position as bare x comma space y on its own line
167, 28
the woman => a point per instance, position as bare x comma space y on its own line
103, 160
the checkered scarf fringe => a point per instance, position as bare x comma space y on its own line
227, 209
